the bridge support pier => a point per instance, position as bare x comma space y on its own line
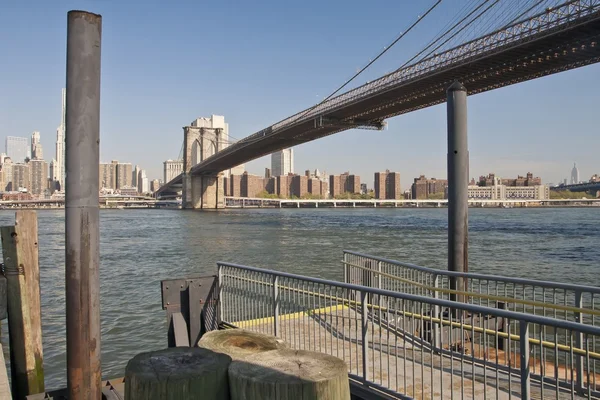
203, 192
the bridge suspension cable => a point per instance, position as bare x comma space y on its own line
433, 42
515, 12
497, 16
371, 62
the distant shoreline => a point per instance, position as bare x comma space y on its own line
310, 206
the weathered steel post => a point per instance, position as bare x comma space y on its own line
458, 185
82, 280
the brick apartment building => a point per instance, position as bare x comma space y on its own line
387, 185
422, 187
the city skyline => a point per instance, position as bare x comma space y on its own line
285, 157
514, 129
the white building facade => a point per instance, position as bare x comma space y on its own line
501, 192
172, 168
282, 162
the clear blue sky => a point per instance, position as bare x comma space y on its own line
167, 63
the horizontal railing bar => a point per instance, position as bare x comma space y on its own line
481, 295
511, 315
521, 281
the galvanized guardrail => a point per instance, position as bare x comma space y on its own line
420, 346
562, 301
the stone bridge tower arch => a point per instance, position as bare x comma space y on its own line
201, 191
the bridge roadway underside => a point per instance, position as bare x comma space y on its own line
554, 50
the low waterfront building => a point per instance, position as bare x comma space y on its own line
503, 192
527, 180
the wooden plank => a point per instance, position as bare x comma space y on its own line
20, 250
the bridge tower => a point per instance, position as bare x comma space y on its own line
201, 191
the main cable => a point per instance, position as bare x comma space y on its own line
371, 62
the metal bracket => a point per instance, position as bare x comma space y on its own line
191, 305
3, 298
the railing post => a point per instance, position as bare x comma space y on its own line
379, 300
275, 305
524, 350
345, 262
220, 292
579, 344
364, 334
378, 274
435, 327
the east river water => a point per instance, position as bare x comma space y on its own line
139, 248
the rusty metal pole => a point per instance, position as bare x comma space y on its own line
81, 203
458, 186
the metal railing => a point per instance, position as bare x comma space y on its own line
412, 345
575, 303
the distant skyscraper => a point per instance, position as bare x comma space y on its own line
282, 162
17, 148
39, 176
574, 174
52, 173
155, 185
134, 177
124, 175
172, 168
36, 146
21, 177
142, 182
60, 144
108, 175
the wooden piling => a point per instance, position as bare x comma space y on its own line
289, 374
240, 343
21, 267
177, 373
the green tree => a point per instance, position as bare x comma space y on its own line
567, 194
266, 195
436, 196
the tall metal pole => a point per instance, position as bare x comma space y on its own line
458, 181
82, 280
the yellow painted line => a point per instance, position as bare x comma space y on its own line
287, 317
482, 296
346, 303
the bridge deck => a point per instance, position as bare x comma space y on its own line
394, 361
